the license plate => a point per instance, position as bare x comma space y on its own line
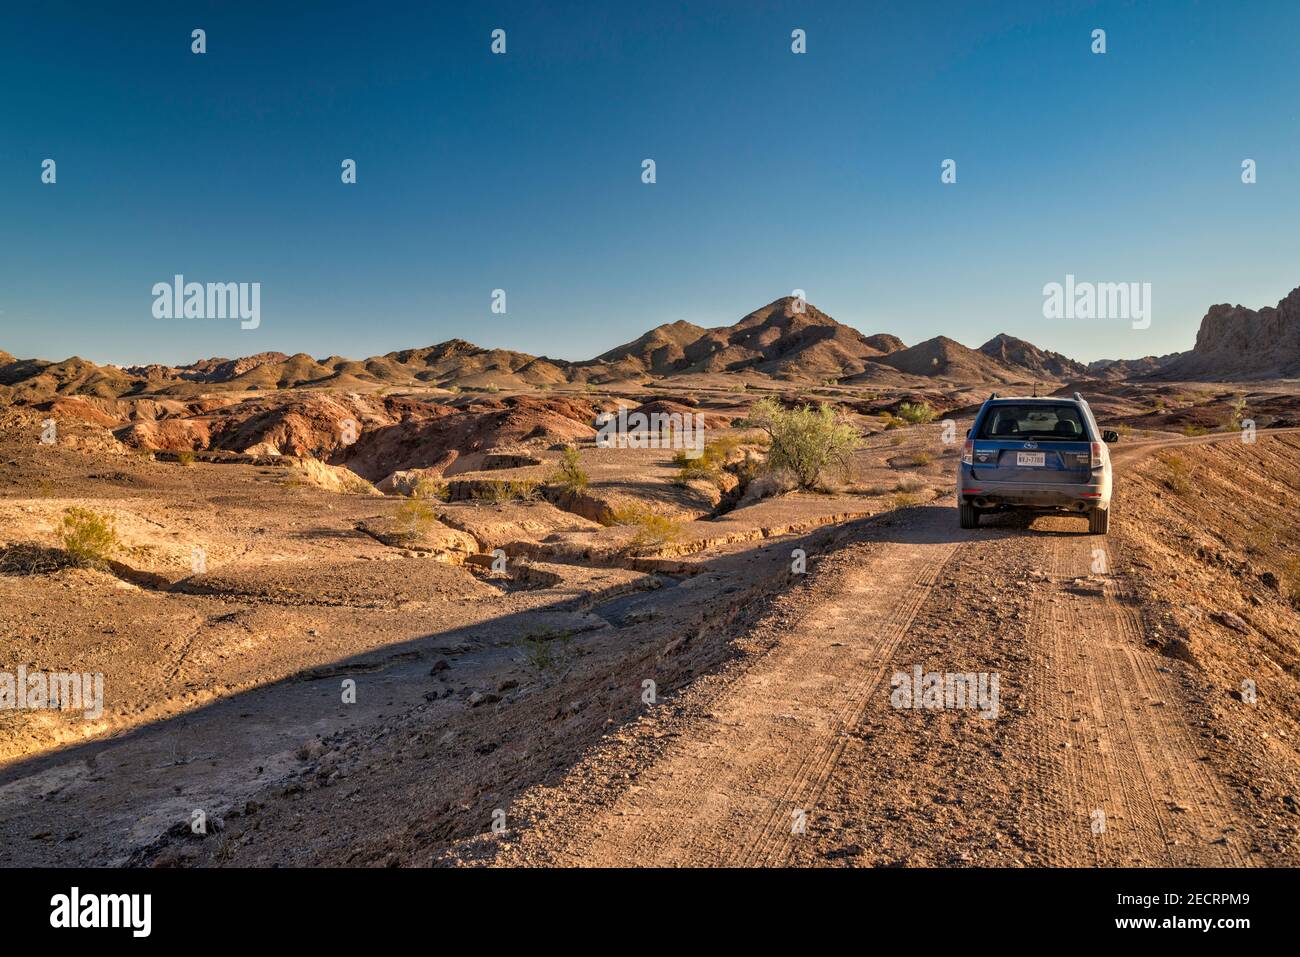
1031, 458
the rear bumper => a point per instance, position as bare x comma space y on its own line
1051, 496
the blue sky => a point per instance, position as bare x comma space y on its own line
775, 171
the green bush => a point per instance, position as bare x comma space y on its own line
807, 442
1178, 474
917, 413
653, 529
569, 474
429, 490
88, 537
413, 519
498, 491
547, 650
708, 465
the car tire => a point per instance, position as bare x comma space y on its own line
968, 516
1099, 521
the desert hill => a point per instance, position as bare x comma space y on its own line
1019, 354
947, 359
788, 339
1120, 369
1235, 342
661, 351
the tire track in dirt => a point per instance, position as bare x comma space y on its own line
1133, 780
727, 794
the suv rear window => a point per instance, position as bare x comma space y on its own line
1061, 423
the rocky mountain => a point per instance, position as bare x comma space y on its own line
1121, 369
947, 359
661, 351
884, 343
1235, 342
1035, 362
35, 380
786, 339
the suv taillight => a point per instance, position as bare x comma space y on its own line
968, 452
1096, 455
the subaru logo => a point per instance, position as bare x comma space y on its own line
1031, 445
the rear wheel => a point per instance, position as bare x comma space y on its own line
968, 516
1099, 521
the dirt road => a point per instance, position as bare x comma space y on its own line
795, 754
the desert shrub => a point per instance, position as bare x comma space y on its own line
546, 650
906, 499
495, 491
892, 421
1193, 429
1231, 420
1177, 473
708, 464
429, 489
88, 538
498, 491
916, 413
492, 387
413, 519
525, 490
807, 442
185, 458
569, 474
653, 529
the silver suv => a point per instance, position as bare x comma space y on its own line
1040, 455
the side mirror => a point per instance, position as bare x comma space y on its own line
1109, 435
968, 432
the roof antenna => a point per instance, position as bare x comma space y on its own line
1035, 390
